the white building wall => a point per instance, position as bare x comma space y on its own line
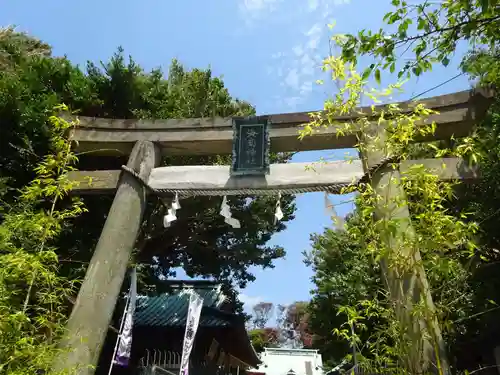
279, 361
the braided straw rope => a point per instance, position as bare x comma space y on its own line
333, 189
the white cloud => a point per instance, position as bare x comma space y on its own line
298, 50
314, 30
313, 42
308, 64
293, 101
250, 301
313, 5
292, 79
298, 67
257, 8
306, 87
314, 35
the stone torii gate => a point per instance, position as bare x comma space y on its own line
145, 141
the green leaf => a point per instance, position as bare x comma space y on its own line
394, 17
417, 70
485, 6
366, 73
377, 76
422, 23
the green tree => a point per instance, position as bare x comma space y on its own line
428, 237
343, 276
475, 341
415, 37
31, 85
429, 31
262, 338
33, 295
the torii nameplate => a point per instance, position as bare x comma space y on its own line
250, 146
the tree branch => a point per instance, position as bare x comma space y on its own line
450, 28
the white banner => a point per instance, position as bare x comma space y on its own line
125, 338
192, 322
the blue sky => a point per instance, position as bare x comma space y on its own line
268, 52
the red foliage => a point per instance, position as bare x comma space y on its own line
271, 334
298, 320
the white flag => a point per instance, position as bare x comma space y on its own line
125, 344
192, 322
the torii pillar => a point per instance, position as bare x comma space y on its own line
92, 313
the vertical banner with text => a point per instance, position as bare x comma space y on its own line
192, 322
125, 338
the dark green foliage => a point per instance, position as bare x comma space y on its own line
199, 241
426, 33
481, 329
31, 85
343, 275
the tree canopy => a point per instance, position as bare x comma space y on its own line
424, 33
280, 325
343, 275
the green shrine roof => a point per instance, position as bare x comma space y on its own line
170, 309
